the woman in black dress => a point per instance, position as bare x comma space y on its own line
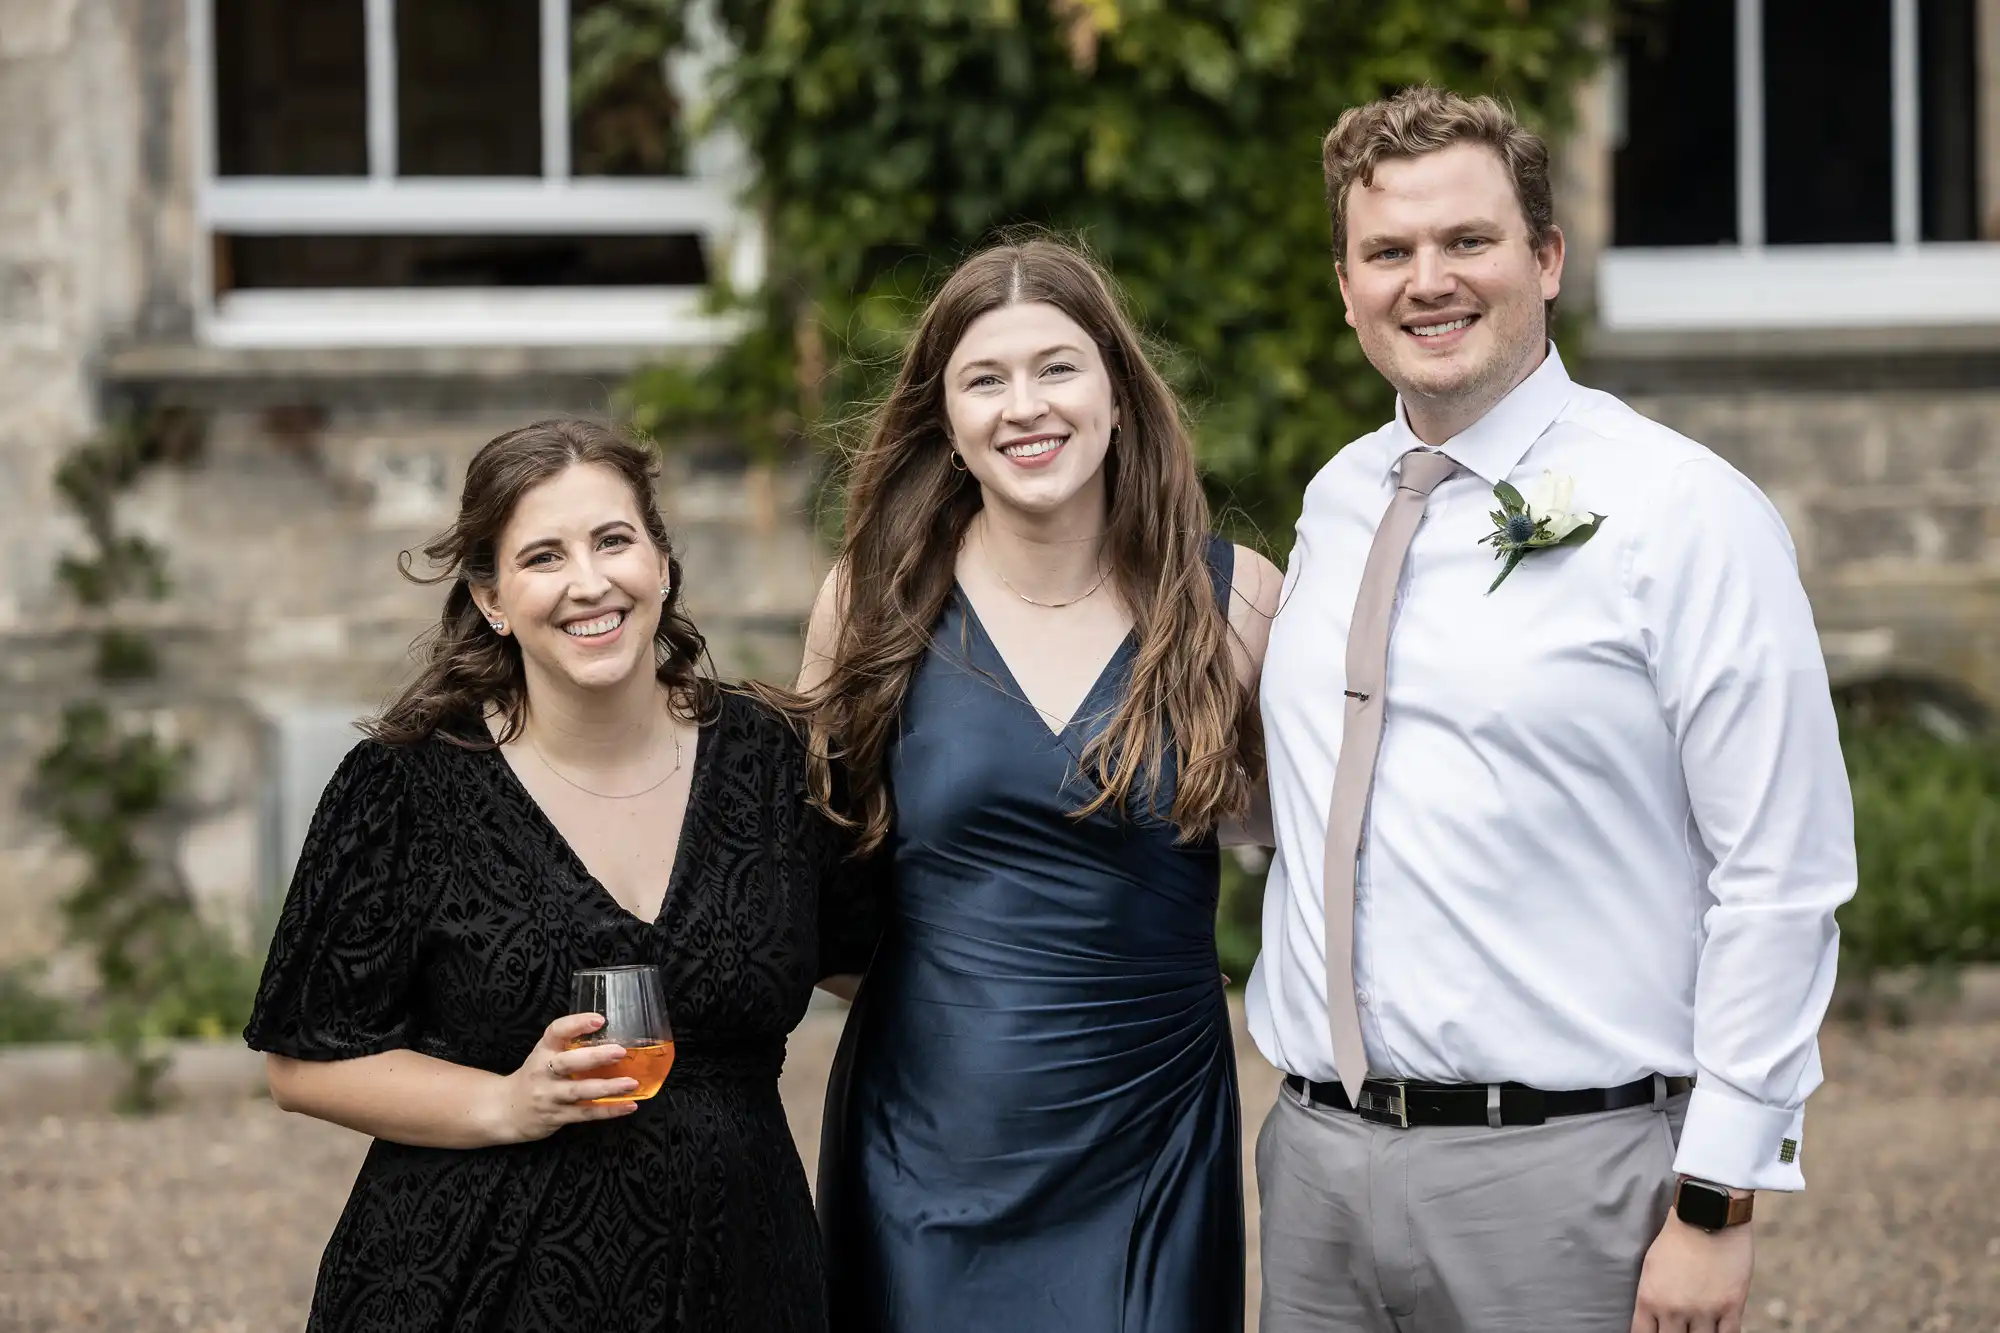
560, 789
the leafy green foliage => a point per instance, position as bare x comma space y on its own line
90, 479
625, 117
748, 394
1927, 834
100, 785
1179, 141
27, 1013
1239, 918
611, 38
110, 783
124, 656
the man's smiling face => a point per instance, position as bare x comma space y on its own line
1445, 285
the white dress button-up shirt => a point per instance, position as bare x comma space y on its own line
1610, 821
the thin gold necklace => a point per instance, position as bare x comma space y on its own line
994, 565
606, 796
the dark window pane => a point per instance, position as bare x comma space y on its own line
291, 88
1947, 48
468, 88
1674, 170
459, 261
624, 119
1827, 177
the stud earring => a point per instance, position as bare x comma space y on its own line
499, 626
665, 591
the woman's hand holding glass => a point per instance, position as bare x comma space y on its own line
561, 1083
583, 1068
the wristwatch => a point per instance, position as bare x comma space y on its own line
1710, 1207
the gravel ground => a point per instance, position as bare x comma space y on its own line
212, 1218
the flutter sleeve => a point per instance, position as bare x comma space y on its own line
337, 981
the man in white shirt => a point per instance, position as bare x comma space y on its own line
1576, 838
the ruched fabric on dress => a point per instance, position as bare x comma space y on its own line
1033, 1122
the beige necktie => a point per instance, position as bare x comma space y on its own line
1360, 740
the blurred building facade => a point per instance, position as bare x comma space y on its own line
1785, 218
361, 236
358, 238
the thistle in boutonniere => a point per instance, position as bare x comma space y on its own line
1536, 522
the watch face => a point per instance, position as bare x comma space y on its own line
1700, 1204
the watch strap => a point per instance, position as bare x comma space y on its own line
1736, 1211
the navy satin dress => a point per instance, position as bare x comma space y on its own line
1033, 1122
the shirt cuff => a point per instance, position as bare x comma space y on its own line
1729, 1140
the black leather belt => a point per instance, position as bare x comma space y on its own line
1405, 1102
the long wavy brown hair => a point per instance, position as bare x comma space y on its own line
467, 668
908, 508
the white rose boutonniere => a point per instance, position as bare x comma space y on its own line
1537, 521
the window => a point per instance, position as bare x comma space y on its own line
396, 172
1674, 169
1948, 106
1796, 163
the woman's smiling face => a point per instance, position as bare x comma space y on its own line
578, 582
1029, 407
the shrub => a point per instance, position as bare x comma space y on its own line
26, 1013
1927, 835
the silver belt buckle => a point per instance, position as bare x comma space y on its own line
1385, 1108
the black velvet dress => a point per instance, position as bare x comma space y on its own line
436, 908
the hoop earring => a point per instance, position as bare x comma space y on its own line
958, 462
1114, 435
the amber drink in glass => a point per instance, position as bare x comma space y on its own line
635, 1017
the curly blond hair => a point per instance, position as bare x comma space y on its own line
1421, 120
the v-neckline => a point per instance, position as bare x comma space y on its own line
676, 872
1014, 689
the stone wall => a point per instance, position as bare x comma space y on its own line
1893, 500
95, 235
94, 242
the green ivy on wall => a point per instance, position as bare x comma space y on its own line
111, 780
1179, 141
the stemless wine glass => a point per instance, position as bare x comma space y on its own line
635, 1017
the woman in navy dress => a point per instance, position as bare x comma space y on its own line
1037, 666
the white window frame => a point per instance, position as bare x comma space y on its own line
705, 202
1751, 285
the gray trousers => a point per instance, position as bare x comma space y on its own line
1528, 1229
